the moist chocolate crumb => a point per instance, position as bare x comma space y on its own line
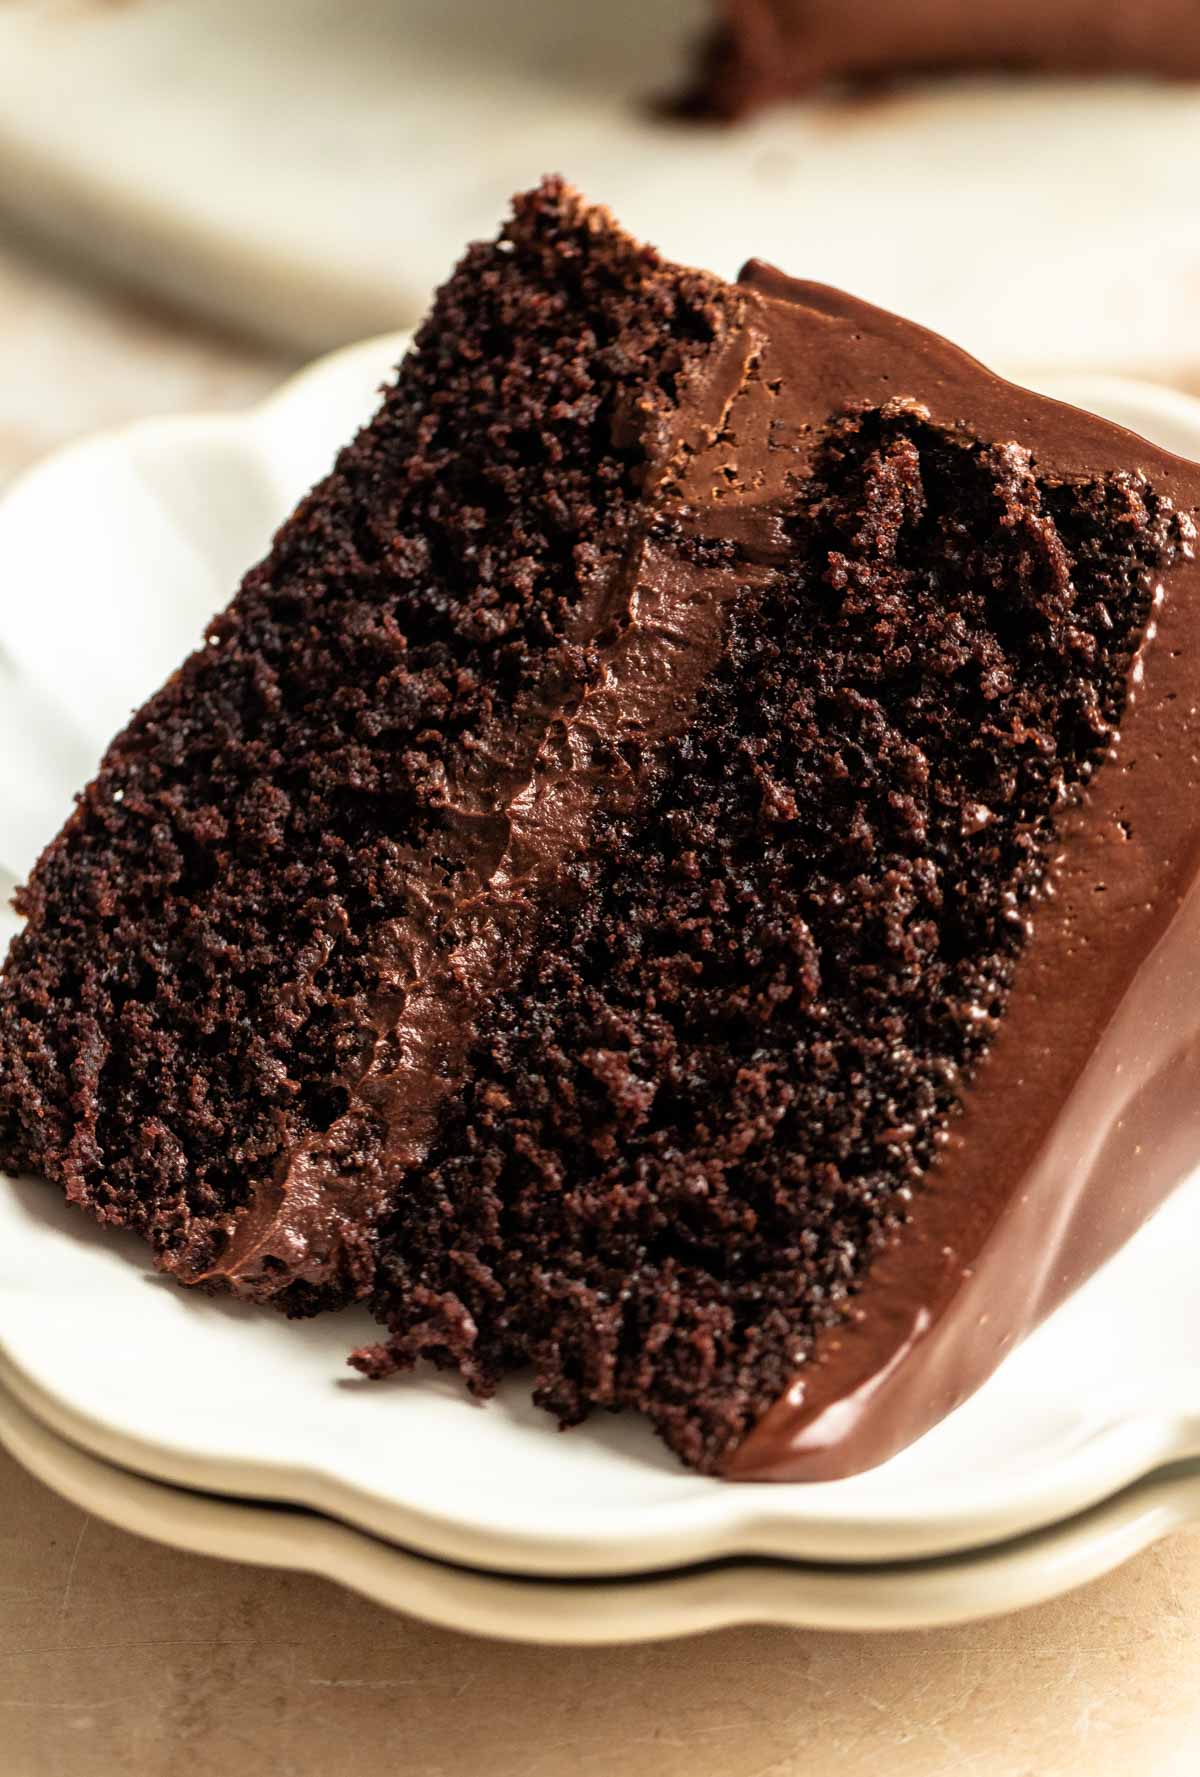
721, 1080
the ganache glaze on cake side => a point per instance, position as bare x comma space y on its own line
1085, 1111
762, 51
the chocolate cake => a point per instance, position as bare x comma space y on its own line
671, 874
761, 51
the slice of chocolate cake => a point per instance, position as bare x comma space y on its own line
761, 51
670, 874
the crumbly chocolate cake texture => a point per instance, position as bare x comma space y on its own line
758, 52
577, 896
200, 1018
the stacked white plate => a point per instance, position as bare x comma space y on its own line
221, 1428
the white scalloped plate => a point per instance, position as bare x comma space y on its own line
112, 557
909, 1595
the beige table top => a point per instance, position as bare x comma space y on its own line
119, 1658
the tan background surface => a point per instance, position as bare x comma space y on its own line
119, 1657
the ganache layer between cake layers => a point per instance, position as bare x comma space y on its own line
649, 623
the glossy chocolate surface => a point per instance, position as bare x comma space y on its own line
1085, 1112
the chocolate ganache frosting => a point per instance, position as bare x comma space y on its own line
1085, 1111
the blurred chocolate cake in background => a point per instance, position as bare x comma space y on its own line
761, 51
